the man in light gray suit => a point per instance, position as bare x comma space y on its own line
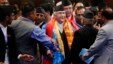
102, 49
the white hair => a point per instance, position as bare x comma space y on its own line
59, 3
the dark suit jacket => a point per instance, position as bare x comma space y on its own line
11, 46
84, 38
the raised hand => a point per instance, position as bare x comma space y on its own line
1, 62
26, 57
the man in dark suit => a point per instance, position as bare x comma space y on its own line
7, 39
8, 48
11, 46
84, 38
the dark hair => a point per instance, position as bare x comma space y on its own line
87, 4
16, 10
94, 10
27, 8
5, 11
108, 14
40, 10
47, 7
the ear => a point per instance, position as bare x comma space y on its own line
7, 18
48, 12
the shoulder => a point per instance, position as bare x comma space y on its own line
79, 32
107, 27
37, 30
14, 23
107, 30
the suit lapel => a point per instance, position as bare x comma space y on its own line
9, 33
1, 33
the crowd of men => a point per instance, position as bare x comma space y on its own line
56, 34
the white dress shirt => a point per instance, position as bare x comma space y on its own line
4, 30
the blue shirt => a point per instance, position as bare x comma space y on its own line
54, 33
40, 35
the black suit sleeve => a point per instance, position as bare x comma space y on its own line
73, 56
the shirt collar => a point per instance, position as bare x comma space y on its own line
26, 19
1, 26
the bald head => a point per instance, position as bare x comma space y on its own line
108, 13
79, 4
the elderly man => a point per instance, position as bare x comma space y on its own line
68, 8
84, 38
102, 49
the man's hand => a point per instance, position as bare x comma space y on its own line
49, 53
97, 26
1, 62
82, 58
85, 57
54, 42
26, 57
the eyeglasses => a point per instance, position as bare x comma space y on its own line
61, 12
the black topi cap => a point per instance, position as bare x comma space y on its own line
66, 2
88, 14
59, 8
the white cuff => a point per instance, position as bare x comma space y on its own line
19, 56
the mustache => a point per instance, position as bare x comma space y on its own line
62, 17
